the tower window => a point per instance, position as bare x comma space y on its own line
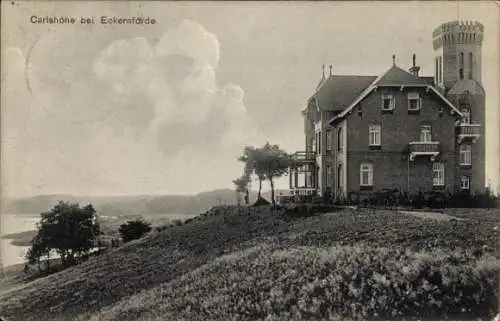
436, 71
461, 66
440, 78
471, 63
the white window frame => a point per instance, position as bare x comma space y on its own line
375, 135
425, 134
465, 154
392, 104
438, 168
465, 183
414, 96
368, 169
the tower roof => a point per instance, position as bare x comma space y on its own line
470, 85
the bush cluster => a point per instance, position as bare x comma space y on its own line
269, 282
429, 199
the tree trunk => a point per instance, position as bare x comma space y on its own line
272, 192
247, 197
48, 261
260, 189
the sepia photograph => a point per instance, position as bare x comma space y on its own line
250, 160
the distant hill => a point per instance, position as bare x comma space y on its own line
131, 205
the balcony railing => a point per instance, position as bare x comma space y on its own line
424, 149
303, 191
304, 157
470, 131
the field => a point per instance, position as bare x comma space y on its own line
259, 264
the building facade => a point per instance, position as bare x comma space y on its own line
399, 130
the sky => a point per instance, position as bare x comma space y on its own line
168, 107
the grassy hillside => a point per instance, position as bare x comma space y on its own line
251, 263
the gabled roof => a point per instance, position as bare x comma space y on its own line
395, 76
338, 91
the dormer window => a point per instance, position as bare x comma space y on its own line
413, 101
388, 102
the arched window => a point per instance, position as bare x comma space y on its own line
471, 65
461, 66
436, 72
340, 140
440, 76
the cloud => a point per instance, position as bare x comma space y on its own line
126, 115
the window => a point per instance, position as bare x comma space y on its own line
388, 102
465, 155
328, 176
340, 140
466, 118
374, 135
413, 101
471, 65
425, 134
328, 140
436, 72
439, 73
315, 143
319, 142
465, 182
366, 174
461, 67
438, 174
340, 176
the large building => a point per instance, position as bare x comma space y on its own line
399, 129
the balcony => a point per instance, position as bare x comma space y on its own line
469, 131
303, 191
424, 149
303, 157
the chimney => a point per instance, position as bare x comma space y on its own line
414, 69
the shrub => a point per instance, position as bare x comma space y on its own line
132, 230
176, 222
310, 283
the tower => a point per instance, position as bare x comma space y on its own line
457, 49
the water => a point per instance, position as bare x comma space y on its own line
11, 254
14, 223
